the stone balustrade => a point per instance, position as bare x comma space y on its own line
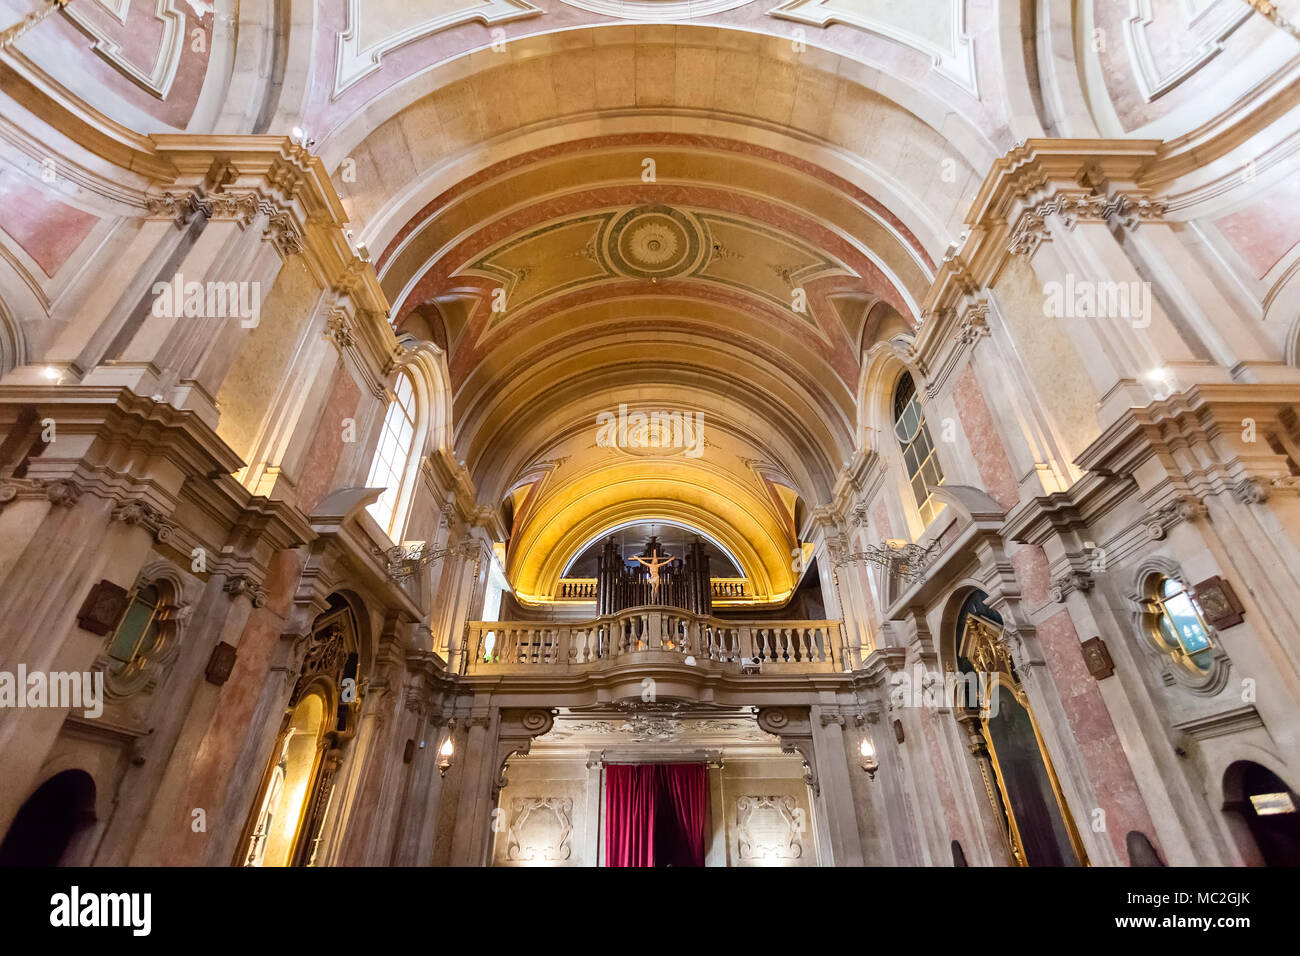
532, 647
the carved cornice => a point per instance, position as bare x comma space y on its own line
1072, 178
1073, 208
242, 206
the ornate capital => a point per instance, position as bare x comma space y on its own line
1073, 208
1068, 581
143, 515
244, 585
60, 491
974, 324
241, 206
1250, 491
1183, 508
338, 330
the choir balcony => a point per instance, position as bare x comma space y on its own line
658, 634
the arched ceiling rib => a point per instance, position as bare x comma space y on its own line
665, 255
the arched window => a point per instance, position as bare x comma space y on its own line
138, 634
1177, 625
390, 469
923, 471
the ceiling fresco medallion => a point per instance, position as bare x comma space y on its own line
652, 242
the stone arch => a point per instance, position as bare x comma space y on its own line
382, 211
1239, 813
948, 637
13, 345
427, 365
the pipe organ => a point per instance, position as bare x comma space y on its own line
683, 583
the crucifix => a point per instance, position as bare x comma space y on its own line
654, 564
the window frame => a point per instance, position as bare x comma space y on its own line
397, 451
918, 452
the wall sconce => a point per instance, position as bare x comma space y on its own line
445, 753
869, 762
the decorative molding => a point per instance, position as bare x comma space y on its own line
352, 63
11, 35
1222, 724
1210, 25
793, 727
656, 10
157, 80
523, 809
1031, 229
957, 63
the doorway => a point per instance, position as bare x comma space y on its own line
45, 827
1269, 808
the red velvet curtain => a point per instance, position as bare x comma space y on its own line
631, 794
656, 814
683, 814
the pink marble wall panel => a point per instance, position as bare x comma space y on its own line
321, 461
985, 443
210, 782
49, 231
1265, 231
941, 780
1033, 575
881, 517
1103, 756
